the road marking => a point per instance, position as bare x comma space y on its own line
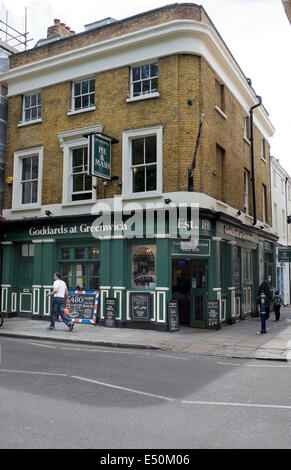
105, 351
42, 345
228, 364
29, 342
247, 405
125, 389
173, 357
33, 372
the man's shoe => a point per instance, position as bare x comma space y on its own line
71, 326
50, 328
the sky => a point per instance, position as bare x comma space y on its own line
257, 32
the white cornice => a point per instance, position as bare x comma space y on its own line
175, 37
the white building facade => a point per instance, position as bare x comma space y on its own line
281, 209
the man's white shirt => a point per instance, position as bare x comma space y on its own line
61, 286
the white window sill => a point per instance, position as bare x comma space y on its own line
27, 207
80, 111
145, 195
85, 202
143, 97
28, 123
220, 112
246, 140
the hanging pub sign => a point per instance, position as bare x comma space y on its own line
100, 156
83, 306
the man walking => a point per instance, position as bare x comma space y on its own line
61, 296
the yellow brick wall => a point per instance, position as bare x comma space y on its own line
120, 28
181, 77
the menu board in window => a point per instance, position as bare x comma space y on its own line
83, 306
143, 267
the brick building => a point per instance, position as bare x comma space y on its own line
140, 85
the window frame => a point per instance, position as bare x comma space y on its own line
87, 108
19, 156
246, 191
68, 141
83, 173
39, 106
143, 95
127, 187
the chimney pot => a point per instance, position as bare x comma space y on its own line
63, 25
57, 21
73, 32
68, 28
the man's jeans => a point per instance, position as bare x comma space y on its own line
58, 307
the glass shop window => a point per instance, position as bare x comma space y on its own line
144, 267
27, 249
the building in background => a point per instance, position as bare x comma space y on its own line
140, 85
281, 209
4, 66
287, 7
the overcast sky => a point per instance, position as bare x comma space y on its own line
256, 31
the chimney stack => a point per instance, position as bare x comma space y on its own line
59, 29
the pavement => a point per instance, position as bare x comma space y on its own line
233, 341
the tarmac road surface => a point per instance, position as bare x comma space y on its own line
58, 395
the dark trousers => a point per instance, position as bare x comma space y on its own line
277, 312
58, 307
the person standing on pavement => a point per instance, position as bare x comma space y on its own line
265, 289
61, 298
277, 305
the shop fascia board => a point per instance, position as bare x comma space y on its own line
206, 203
175, 37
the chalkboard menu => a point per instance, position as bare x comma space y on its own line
140, 306
83, 305
110, 313
213, 320
173, 316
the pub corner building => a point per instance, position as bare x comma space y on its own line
111, 116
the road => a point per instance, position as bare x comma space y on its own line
57, 395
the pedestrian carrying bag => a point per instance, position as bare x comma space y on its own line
276, 301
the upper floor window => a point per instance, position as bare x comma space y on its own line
83, 94
264, 203
29, 180
142, 162
32, 107
263, 150
274, 177
81, 181
246, 127
246, 191
219, 96
144, 79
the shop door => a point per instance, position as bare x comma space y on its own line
25, 272
198, 291
181, 288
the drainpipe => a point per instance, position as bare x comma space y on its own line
253, 158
